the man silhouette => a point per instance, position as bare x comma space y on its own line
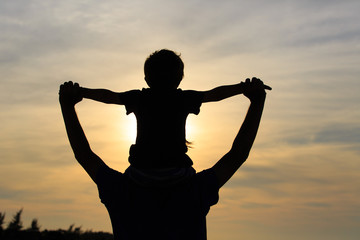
144, 207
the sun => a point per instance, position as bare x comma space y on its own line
131, 128
190, 129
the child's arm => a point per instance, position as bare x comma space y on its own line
101, 95
239, 152
223, 92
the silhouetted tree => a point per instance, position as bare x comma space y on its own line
2, 217
16, 223
34, 226
14, 231
71, 227
78, 230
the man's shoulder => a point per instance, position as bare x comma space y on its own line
107, 174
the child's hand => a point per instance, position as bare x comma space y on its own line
254, 89
69, 93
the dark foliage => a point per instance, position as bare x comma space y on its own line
14, 231
2, 217
16, 223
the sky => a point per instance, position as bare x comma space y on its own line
302, 178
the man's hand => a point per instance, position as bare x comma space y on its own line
254, 89
69, 94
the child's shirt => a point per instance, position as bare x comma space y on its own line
161, 118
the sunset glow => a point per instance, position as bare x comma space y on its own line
302, 179
131, 128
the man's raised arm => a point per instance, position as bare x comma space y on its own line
239, 152
68, 97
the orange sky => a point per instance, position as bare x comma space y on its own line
302, 180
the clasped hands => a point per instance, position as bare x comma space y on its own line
254, 89
69, 93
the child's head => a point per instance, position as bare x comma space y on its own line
164, 69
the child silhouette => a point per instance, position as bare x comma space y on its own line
161, 111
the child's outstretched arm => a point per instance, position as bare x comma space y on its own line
239, 152
68, 97
101, 95
223, 92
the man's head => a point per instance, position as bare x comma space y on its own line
164, 69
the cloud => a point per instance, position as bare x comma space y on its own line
339, 133
344, 133
318, 204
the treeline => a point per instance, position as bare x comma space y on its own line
16, 231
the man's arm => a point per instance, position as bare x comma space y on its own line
101, 95
239, 152
68, 97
